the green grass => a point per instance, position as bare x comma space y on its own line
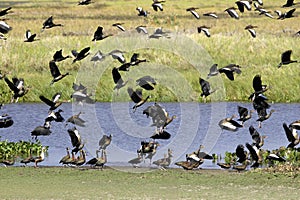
229, 43
71, 183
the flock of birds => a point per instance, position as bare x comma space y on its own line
160, 117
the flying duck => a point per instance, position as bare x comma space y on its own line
229, 70
291, 135
229, 124
193, 11
286, 58
75, 140
54, 103
137, 97
81, 55
57, 76
146, 82
57, 57
49, 23
119, 82
142, 12
204, 29
232, 12
4, 27
17, 87
29, 37
5, 11
75, 119
205, 87
251, 30
213, 71
98, 35
244, 114
242, 4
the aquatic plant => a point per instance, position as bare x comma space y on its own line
19, 149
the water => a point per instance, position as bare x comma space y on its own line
195, 124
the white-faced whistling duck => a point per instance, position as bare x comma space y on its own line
229, 124
81, 55
142, 29
204, 29
29, 37
119, 26
258, 140
285, 15
137, 97
202, 154
18, 88
211, 14
189, 165
241, 167
255, 155
49, 23
5, 11
134, 60
242, 4
205, 87
57, 76
125, 67
39, 158
135, 161
85, 2
56, 115
264, 12
142, 12
224, 165
146, 82
291, 135
4, 27
98, 161
75, 119
81, 95
118, 55
263, 115
286, 58
241, 153
8, 162
66, 157
193, 11
75, 139
148, 148
251, 30
98, 35
99, 56
157, 5
2, 37
57, 57
163, 163
213, 71
105, 141
229, 70
54, 103
258, 86
81, 159
289, 3
232, 12
27, 159
43, 130
118, 80
244, 113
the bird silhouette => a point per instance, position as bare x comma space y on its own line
57, 76
80, 55
98, 35
286, 58
49, 23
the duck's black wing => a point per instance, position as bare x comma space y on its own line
11, 85
54, 69
46, 101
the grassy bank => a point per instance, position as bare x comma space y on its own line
70, 183
229, 43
